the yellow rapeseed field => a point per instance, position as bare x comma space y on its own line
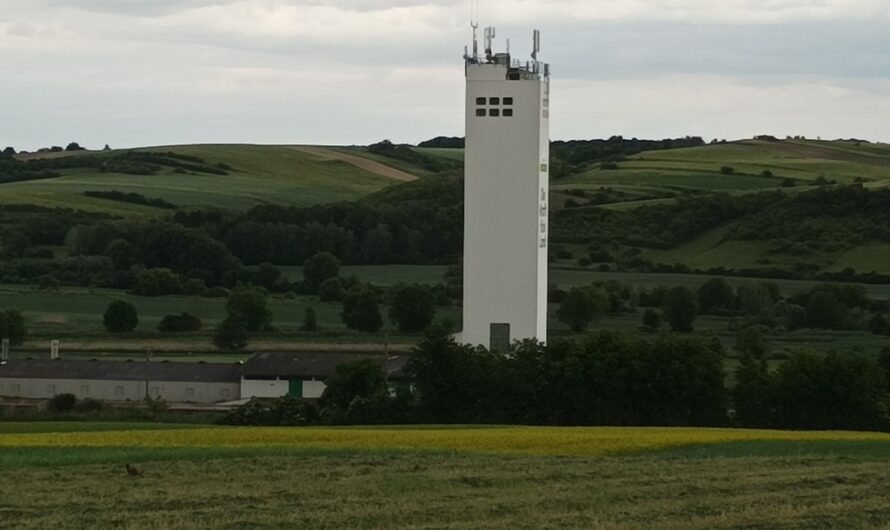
540, 441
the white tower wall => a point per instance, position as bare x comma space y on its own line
506, 202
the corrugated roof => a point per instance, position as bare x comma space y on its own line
120, 370
284, 365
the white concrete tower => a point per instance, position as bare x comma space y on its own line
506, 197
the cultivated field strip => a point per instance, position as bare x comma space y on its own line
540, 441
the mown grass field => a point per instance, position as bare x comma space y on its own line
430, 477
262, 174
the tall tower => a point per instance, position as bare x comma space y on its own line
506, 197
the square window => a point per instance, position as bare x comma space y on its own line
494, 112
494, 101
508, 101
480, 101
508, 113
547, 114
119, 391
189, 392
480, 112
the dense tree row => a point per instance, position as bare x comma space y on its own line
604, 379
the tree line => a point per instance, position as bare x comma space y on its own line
605, 378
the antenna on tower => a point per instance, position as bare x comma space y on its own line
474, 23
489, 36
537, 45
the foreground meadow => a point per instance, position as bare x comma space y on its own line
72, 475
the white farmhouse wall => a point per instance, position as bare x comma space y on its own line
110, 390
313, 389
263, 388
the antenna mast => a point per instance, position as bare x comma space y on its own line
474, 23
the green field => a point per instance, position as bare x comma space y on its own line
261, 175
799, 482
74, 316
698, 169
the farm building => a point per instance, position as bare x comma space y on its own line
303, 374
120, 380
263, 375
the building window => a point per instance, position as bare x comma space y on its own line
84, 390
508, 101
480, 112
50, 390
547, 114
508, 113
494, 101
494, 112
543, 242
225, 394
189, 392
480, 101
543, 168
500, 337
154, 392
119, 391
15, 389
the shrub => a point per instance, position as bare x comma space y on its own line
361, 310
180, 323
12, 327
331, 290
194, 287
157, 282
581, 306
62, 403
89, 405
310, 322
286, 410
679, 308
413, 307
231, 334
120, 317
319, 268
651, 319
48, 282
727, 170
252, 304
216, 292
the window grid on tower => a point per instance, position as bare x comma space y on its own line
494, 107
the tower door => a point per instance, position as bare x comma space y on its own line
499, 337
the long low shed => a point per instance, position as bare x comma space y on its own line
121, 380
269, 375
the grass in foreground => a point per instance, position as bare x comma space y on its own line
310, 491
435, 477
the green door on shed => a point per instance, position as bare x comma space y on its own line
295, 388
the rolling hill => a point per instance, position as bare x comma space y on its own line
735, 167
284, 175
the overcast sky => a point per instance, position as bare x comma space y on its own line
152, 72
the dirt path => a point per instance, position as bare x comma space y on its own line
371, 166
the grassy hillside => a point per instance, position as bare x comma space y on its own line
259, 175
756, 166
